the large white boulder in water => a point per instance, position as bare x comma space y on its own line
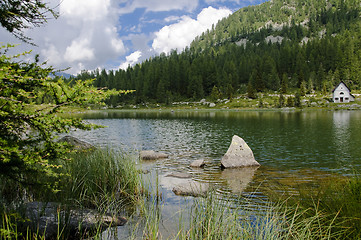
239, 154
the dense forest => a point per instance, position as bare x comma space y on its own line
292, 45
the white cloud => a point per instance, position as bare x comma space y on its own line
180, 34
131, 60
79, 50
88, 10
85, 36
159, 5
54, 57
172, 19
213, 1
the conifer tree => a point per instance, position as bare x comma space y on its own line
28, 132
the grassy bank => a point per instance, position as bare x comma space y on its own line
339, 203
108, 181
267, 100
216, 219
332, 211
104, 180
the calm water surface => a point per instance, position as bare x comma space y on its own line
293, 147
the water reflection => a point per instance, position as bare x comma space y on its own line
342, 136
294, 148
286, 140
238, 179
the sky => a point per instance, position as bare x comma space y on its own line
113, 34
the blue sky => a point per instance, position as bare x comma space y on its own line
114, 34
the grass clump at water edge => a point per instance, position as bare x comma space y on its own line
105, 180
214, 218
95, 179
339, 202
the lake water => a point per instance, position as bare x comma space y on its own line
294, 148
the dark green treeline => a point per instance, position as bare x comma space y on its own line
314, 55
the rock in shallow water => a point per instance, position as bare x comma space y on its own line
191, 188
151, 155
239, 154
179, 175
197, 163
44, 218
77, 143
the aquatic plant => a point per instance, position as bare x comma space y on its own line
105, 179
102, 178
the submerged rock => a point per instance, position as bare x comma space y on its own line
239, 154
77, 143
151, 155
44, 218
182, 184
179, 175
191, 188
197, 163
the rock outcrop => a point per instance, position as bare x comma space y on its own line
151, 155
77, 143
44, 218
239, 154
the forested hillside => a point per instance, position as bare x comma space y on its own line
280, 45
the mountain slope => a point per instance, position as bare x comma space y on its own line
285, 46
277, 14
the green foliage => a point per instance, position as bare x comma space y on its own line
337, 203
284, 83
213, 218
251, 92
290, 102
218, 58
297, 100
18, 15
215, 94
105, 178
281, 101
28, 149
303, 88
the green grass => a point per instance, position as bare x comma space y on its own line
105, 180
100, 179
213, 219
340, 204
109, 181
333, 213
265, 100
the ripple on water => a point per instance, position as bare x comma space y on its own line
296, 150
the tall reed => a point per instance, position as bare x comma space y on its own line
104, 179
338, 203
214, 218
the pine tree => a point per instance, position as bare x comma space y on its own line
303, 88
215, 95
284, 83
251, 92
281, 101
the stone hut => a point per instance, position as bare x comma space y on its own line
342, 94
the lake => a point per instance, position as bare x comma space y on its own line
294, 148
